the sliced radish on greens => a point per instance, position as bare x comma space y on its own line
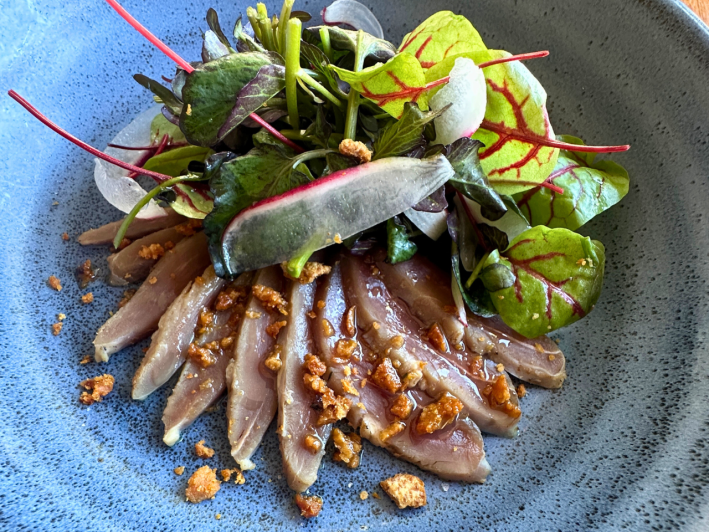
432, 224
113, 182
466, 93
354, 14
328, 210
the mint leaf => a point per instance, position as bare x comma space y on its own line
558, 279
405, 134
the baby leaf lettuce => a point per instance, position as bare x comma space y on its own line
589, 189
210, 94
558, 275
516, 125
442, 35
390, 85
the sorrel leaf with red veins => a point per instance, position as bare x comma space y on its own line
589, 189
192, 201
160, 126
390, 85
346, 40
515, 127
210, 94
558, 279
442, 35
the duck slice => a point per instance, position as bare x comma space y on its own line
251, 385
425, 289
391, 332
140, 316
203, 378
129, 266
456, 452
169, 345
138, 227
297, 419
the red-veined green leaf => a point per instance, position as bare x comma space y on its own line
589, 189
192, 201
390, 85
441, 35
516, 130
558, 279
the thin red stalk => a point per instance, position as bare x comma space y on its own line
146, 157
273, 131
152, 38
552, 143
93, 151
519, 57
550, 186
474, 223
143, 148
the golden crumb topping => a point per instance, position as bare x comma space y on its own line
386, 377
273, 361
151, 252
392, 430
327, 327
310, 272
344, 349
238, 475
57, 328
348, 447
310, 505
86, 359
312, 443
270, 298
314, 365
435, 336
351, 321
230, 296
201, 355
348, 387
65, 236
202, 450
521, 391
189, 227
407, 491
314, 383
498, 396
273, 329
179, 470
402, 406
437, 415
356, 150
55, 283
99, 387
202, 485
87, 298
336, 410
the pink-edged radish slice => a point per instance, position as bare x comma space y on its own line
432, 224
315, 215
354, 14
113, 182
467, 93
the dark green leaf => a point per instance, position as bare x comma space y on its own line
337, 162
304, 16
210, 94
244, 42
496, 277
269, 81
477, 301
320, 130
436, 202
399, 247
212, 47
340, 39
213, 23
558, 279
175, 162
494, 238
589, 189
405, 134
163, 93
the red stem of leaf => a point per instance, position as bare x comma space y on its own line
152, 38
519, 57
550, 186
146, 157
51, 125
551, 143
189, 69
473, 222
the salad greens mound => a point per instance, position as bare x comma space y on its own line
276, 107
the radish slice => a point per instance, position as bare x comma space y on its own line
120, 190
467, 92
353, 14
433, 224
330, 209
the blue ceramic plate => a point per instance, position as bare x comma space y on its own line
622, 446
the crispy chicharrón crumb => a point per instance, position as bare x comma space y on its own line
202, 450
151, 252
386, 377
54, 283
274, 328
87, 298
228, 473
402, 406
202, 485
348, 447
310, 272
407, 491
57, 328
356, 150
179, 470
99, 386
274, 362
270, 298
437, 415
310, 505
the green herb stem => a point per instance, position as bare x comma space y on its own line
293, 32
476, 271
353, 98
312, 154
282, 26
325, 40
306, 78
252, 15
144, 201
267, 34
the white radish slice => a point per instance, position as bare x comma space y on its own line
113, 182
467, 92
353, 14
432, 224
330, 209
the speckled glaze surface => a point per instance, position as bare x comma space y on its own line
622, 446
